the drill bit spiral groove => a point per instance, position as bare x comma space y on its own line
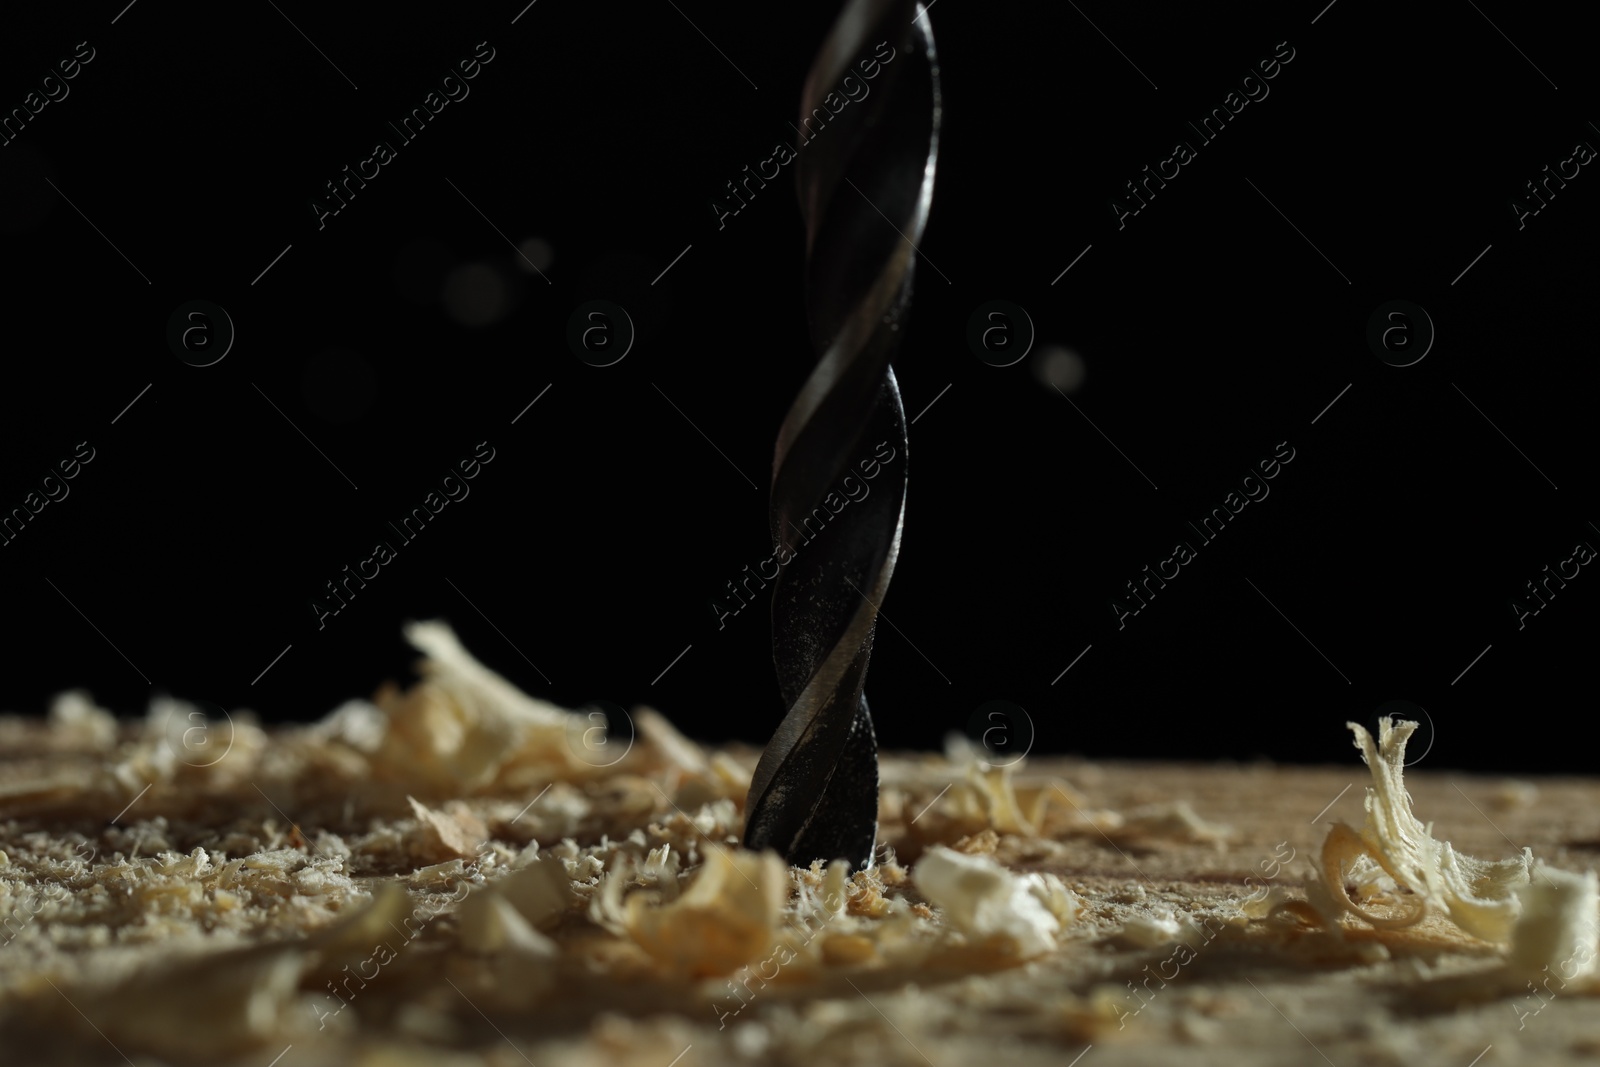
865, 182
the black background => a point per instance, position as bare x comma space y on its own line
1212, 326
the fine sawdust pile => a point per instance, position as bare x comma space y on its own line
460, 873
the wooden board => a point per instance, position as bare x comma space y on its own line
209, 920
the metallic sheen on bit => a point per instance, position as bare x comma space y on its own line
865, 183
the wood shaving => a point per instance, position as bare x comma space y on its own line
982, 899
1547, 920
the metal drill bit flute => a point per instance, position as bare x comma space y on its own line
865, 181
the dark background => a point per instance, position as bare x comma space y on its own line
1382, 565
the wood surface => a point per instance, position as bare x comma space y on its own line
125, 987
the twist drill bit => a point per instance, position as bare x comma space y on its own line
865, 181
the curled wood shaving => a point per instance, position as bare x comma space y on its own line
1478, 895
726, 918
1543, 917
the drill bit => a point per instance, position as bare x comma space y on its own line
865, 181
